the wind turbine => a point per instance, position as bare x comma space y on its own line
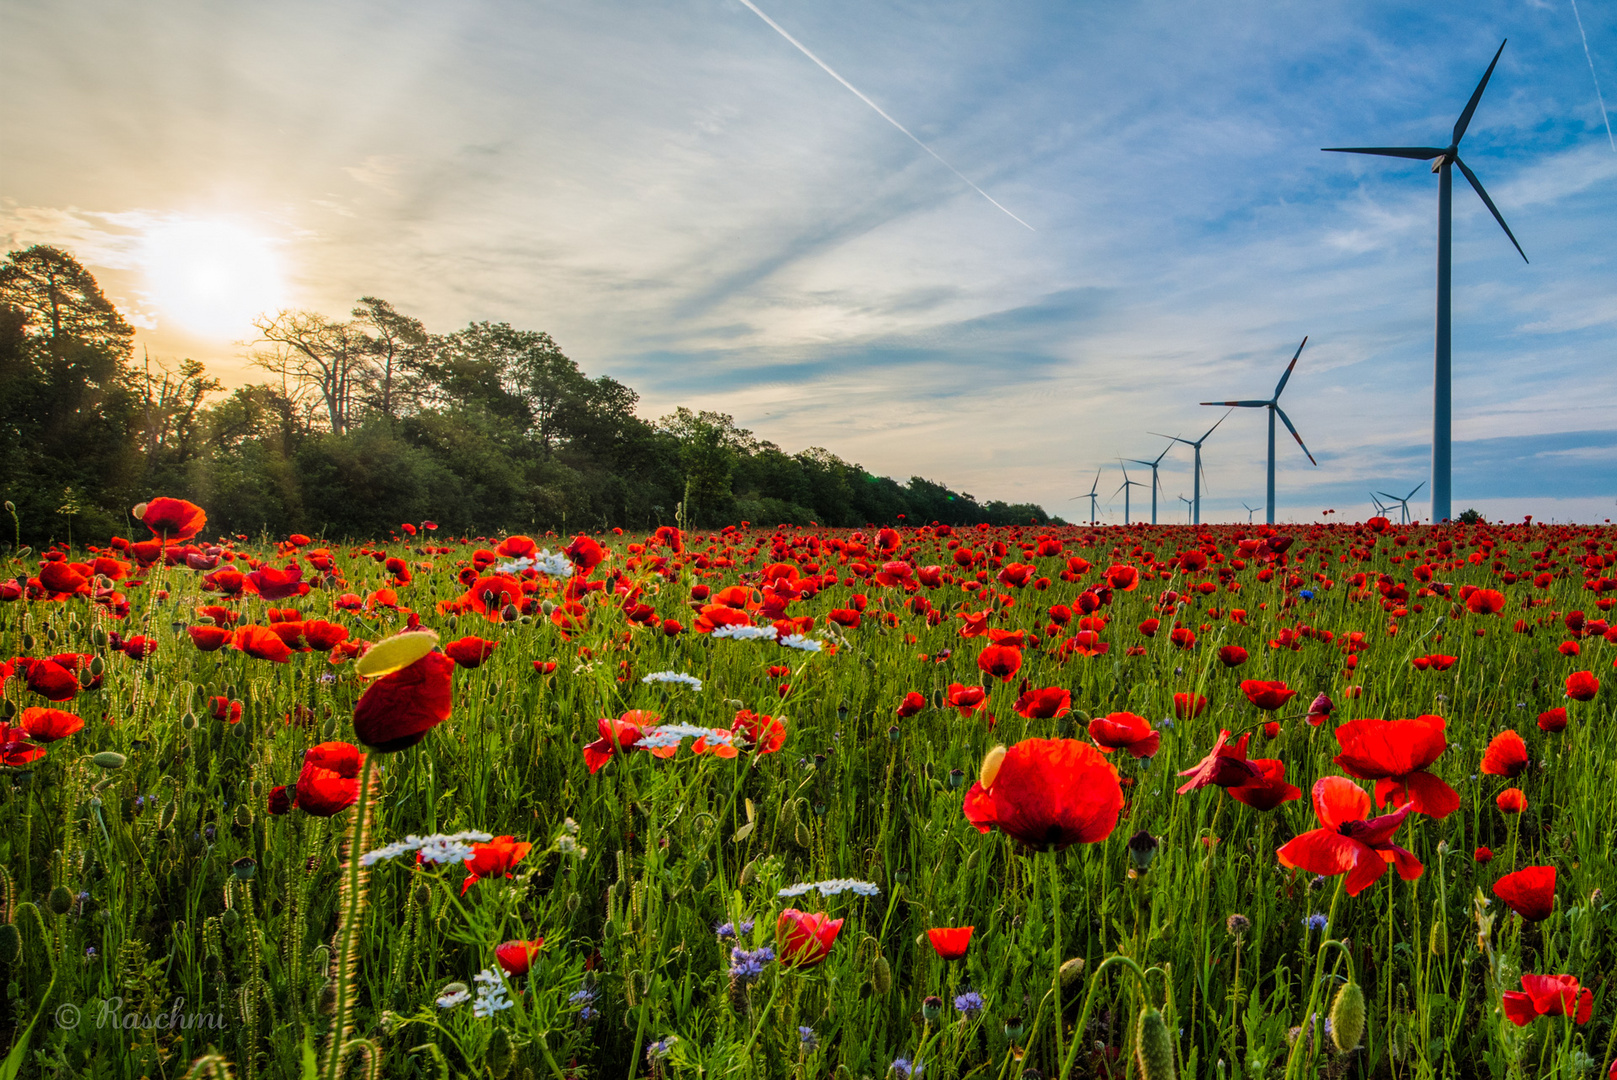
1188, 504
1403, 503
1196, 472
1155, 481
1375, 502
1091, 495
1250, 510
1442, 398
1273, 405
1124, 488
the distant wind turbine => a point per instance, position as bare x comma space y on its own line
1092, 494
1442, 397
1124, 488
1250, 510
1196, 471
1156, 482
1188, 511
1403, 503
1273, 405
1377, 503
750, 6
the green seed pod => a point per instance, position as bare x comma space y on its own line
50, 632
1439, 943
882, 977
1154, 1047
8, 708
230, 917
97, 666
110, 760
165, 816
1347, 1017
500, 1054
28, 643
10, 943
749, 873
804, 837
244, 815
188, 721
1072, 972
98, 638
257, 788
60, 900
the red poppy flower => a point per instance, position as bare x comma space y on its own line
1529, 892
1486, 602
950, 943
470, 652
1047, 793
329, 781
495, 858
1483, 855
1149, 627
1395, 754
1044, 704
1225, 766
1125, 731
209, 638
49, 679
1000, 661
1349, 842
1231, 655
1185, 709
913, 703
1553, 721
804, 940
516, 547
398, 709
766, 734
515, 957
1123, 578
1548, 995
968, 699
1433, 662
1582, 686
262, 644
172, 519
273, 584
48, 725
225, 709
585, 553
1183, 637
323, 636
15, 749
280, 800
61, 578
619, 734
1266, 695
1268, 789
1320, 709
291, 633
1511, 801
1506, 755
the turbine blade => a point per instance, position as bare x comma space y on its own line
1413, 153
1175, 438
1411, 495
1471, 176
1161, 455
1476, 95
1281, 385
1287, 421
1239, 404
1221, 419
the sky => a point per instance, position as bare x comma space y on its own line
1103, 214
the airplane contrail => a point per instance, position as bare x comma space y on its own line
855, 90
1598, 95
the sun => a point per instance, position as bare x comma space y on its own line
211, 278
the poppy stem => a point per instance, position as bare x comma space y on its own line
1306, 1032
350, 916
1089, 1003
1055, 974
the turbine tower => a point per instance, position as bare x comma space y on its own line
1196, 472
1124, 488
1092, 494
1445, 157
1156, 483
1403, 503
1273, 405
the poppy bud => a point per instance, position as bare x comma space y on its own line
1071, 972
1347, 1017
500, 1054
230, 917
1142, 849
990, 769
882, 977
244, 815
60, 900
1154, 1048
110, 760
509, 613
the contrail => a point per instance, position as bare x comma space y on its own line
827, 69
1598, 96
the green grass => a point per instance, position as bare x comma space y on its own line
121, 887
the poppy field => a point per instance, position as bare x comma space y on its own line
1147, 801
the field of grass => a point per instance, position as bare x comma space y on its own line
166, 912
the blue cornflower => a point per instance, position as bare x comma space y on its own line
969, 1004
1316, 921
748, 967
727, 931
807, 1039
905, 1068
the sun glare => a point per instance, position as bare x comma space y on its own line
211, 277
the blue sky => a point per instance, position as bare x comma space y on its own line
690, 205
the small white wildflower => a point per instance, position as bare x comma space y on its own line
831, 887
665, 735
437, 848
674, 677
747, 633
491, 994
452, 997
798, 641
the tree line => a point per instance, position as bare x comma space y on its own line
361, 423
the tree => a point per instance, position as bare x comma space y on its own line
172, 411
397, 347
314, 353
65, 306
710, 445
